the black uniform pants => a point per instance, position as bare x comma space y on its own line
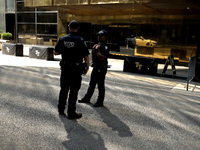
97, 77
70, 83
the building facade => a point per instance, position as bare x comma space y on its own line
7, 16
28, 25
36, 26
160, 27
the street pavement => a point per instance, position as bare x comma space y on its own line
140, 112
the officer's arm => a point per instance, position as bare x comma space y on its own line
56, 53
87, 61
58, 47
100, 56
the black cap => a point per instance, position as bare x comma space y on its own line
102, 32
73, 24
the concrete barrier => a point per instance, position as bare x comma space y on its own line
143, 65
12, 49
1, 42
41, 52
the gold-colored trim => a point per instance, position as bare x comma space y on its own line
118, 7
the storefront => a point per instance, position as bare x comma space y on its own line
36, 26
156, 28
7, 16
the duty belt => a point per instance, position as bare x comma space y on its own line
67, 63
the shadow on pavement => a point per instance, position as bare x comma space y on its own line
115, 123
79, 137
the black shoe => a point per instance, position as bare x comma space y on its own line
61, 112
74, 116
84, 101
97, 104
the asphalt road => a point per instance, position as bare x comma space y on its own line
140, 112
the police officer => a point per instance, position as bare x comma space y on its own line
100, 54
73, 50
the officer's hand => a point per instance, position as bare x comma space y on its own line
100, 56
96, 46
56, 53
85, 71
87, 63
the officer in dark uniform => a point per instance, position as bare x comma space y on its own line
73, 50
100, 54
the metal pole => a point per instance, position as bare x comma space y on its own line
36, 32
16, 26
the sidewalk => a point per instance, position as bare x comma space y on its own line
140, 111
116, 65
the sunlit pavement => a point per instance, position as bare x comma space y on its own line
140, 111
116, 66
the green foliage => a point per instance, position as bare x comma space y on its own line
6, 36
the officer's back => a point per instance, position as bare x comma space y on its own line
73, 51
72, 44
71, 47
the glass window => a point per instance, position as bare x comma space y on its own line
47, 17
70, 2
20, 7
47, 38
2, 17
47, 29
10, 5
26, 28
40, 9
104, 1
26, 17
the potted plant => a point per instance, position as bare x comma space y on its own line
6, 36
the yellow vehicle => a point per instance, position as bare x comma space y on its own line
141, 41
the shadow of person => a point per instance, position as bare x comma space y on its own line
80, 138
115, 123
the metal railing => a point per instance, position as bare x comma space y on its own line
191, 70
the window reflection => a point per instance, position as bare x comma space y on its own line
47, 17
26, 29
36, 26
148, 35
28, 17
20, 7
47, 29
